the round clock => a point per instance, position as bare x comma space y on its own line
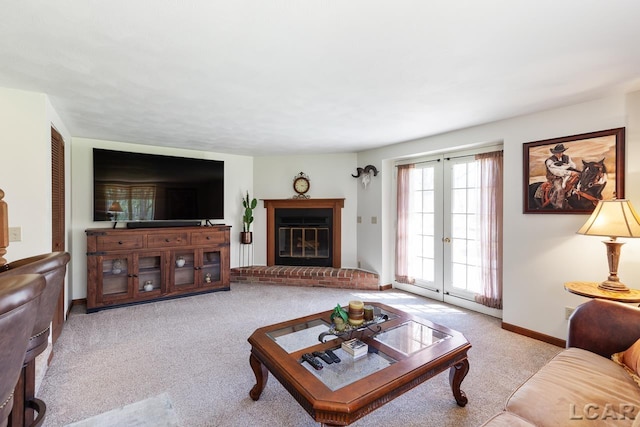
301, 183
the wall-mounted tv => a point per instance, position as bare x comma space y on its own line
149, 187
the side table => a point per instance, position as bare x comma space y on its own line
591, 290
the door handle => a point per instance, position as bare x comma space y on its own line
446, 240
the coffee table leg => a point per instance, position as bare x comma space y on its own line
456, 375
262, 375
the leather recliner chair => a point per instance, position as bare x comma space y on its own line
19, 300
53, 266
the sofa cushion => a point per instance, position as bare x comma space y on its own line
577, 387
630, 360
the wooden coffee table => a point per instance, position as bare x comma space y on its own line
404, 351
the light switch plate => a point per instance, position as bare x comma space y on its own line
15, 234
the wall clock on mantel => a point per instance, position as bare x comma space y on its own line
301, 185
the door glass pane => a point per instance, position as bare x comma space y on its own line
458, 226
428, 270
459, 178
464, 244
459, 201
458, 251
421, 240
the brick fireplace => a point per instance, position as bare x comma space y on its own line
304, 232
295, 229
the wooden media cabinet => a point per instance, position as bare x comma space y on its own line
131, 266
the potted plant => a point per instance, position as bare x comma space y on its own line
339, 317
246, 237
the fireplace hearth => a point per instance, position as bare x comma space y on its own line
304, 232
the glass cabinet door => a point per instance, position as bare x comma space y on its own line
210, 268
184, 270
150, 274
115, 278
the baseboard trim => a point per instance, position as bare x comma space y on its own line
535, 335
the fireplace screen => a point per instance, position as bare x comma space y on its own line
303, 242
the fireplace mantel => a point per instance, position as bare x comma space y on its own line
336, 204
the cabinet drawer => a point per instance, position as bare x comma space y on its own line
166, 240
207, 237
120, 242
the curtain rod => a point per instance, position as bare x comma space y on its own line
408, 162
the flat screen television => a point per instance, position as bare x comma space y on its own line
150, 187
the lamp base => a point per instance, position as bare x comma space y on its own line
609, 285
613, 256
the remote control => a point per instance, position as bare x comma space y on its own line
332, 355
323, 356
308, 357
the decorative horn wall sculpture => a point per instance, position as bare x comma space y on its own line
365, 174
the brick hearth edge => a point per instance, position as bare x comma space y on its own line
349, 278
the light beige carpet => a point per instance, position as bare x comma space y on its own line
195, 350
155, 411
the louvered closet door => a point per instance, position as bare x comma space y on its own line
57, 219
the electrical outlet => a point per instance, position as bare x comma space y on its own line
568, 311
15, 234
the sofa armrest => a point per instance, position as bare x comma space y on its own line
604, 327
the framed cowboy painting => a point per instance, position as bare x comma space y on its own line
571, 174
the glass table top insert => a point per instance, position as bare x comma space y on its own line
411, 337
302, 335
350, 369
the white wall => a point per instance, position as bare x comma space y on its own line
26, 119
238, 175
25, 171
330, 176
541, 252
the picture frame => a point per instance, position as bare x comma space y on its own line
569, 175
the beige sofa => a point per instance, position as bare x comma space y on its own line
582, 386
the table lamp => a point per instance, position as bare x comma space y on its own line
613, 218
115, 207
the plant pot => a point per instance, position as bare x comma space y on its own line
246, 237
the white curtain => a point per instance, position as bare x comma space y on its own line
490, 226
402, 234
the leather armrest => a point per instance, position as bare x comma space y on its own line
39, 264
604, 327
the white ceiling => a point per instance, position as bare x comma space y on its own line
263, 77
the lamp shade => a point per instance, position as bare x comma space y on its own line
115, 207
613, 218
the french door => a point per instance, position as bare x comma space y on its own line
443, 254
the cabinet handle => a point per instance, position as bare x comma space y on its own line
120, 242
167, 240
208, 237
